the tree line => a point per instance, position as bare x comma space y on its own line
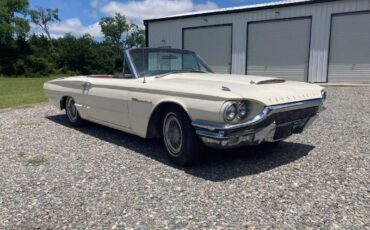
23, 53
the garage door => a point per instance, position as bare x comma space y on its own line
213, 44
279, 48
349, 58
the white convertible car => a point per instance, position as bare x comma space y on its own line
173, 94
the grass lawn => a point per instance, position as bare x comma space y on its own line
20, 91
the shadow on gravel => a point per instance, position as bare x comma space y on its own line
217, 166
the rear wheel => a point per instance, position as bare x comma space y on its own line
179, 138
72, 113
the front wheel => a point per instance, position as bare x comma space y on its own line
72, 113
179, 138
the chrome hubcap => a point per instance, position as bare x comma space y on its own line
71, 109
172, 133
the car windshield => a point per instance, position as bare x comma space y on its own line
154, 62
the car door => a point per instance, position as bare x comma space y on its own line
106, 101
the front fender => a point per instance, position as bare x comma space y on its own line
177, 101
143, 105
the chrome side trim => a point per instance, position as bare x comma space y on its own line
143, 101
267, 111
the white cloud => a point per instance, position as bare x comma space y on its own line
97, 3
203, 7
90, 13
94, 3
74, 26
136, 11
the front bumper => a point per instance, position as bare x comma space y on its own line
274, 123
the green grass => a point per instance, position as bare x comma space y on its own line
37, 161
21, 91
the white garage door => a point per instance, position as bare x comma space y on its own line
213, 44
279, 48
349, 59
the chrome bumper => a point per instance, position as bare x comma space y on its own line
274, 123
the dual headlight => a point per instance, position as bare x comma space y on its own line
235, 111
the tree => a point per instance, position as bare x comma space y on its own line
42, 18
13, 31
136, 37
22, 54
113, 28
84, 55
12, 24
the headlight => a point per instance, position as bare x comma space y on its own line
323, 95
235, 111
242, 110
230, 111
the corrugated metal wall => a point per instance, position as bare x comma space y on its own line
169, 32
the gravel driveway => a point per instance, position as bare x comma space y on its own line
56, 176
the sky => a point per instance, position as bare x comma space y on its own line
82, 16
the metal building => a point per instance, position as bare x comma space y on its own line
315, 41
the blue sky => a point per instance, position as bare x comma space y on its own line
82, 16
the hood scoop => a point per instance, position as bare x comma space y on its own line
270, 81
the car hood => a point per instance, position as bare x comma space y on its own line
267, 90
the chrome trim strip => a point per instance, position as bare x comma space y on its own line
221, 135
267, 111
210, 134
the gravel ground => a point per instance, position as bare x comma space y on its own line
56, 176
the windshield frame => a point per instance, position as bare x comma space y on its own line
132, 67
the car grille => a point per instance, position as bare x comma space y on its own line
280, 118
293, 115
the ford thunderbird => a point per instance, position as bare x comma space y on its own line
174, 95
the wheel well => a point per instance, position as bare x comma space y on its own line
157, 116
63, 102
